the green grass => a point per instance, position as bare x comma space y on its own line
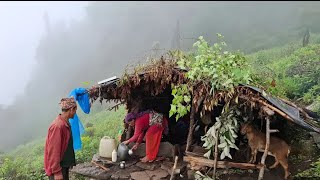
294, 68
26, 161
313, 172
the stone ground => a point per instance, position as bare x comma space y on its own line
300, 159
134, 169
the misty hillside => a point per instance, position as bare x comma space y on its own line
276, 59
113, 35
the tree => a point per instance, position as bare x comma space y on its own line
306, 37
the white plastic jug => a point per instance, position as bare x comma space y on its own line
107, 145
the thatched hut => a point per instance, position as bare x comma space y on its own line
151, 86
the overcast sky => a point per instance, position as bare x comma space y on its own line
21, 26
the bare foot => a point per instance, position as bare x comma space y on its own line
160, 158
144, 160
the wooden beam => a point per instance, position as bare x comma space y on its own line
202, 162
307, 117
269, 106
268, 111
300, 109
193, 154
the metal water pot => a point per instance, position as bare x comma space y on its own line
123, 152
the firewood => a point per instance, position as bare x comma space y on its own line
199, 161
104, 168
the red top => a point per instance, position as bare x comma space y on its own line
140, 125
56, 144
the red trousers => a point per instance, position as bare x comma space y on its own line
153, 139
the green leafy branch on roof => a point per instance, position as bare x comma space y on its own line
217, 70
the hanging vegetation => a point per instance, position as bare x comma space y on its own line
227, 125
217, 72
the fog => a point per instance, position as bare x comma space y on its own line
89, 42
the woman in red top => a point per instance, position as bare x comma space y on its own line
154, 124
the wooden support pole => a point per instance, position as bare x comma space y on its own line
215, 155
268, 131
174, 167
191, 128
264, 156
